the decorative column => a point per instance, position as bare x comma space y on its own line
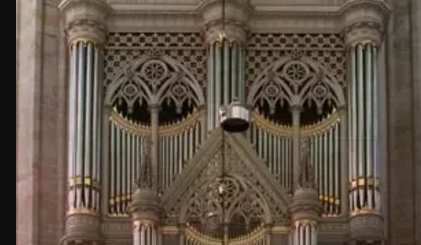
86, 37
145, 207
226, 54
154, 110
363, 33
295, 111
305, 207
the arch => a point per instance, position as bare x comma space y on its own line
201, 191
154, 78
310, 81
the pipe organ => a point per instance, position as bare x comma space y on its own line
177, 144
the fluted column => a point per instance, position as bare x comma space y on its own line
86, 37
226, 55
364, 26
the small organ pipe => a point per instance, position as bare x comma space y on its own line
303, 232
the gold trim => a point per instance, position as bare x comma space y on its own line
164, 131
81, 182
362, 182
305, 222
364, 210
169, 230
82, 210
83, 40
363, 42
286, 131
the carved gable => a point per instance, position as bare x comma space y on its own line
251, 182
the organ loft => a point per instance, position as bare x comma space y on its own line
224, 122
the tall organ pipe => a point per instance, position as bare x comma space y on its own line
84, 127
364, 188
126, 149
325, 156
177, 146
225, 78
277, 152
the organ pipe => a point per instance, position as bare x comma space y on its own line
126, 149
303, 232
278, 157
177, 143
274, 143
326, 158
364, 184
177, 147
145, 233
85, 113
226, 74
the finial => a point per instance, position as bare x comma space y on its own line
145, 180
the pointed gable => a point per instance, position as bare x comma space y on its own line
241, 162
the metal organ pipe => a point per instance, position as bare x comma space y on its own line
226, 78
84, 127
126, 149
177, 144
304, 232
145, 233
276, 149
364, 192
325, 156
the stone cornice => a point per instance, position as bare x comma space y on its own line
268, 16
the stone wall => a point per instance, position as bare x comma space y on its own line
403, 115
40, 129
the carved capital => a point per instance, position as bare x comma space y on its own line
305, 205
145, 206
364, 21
366, 227
85, 19
237, 14
82, 229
